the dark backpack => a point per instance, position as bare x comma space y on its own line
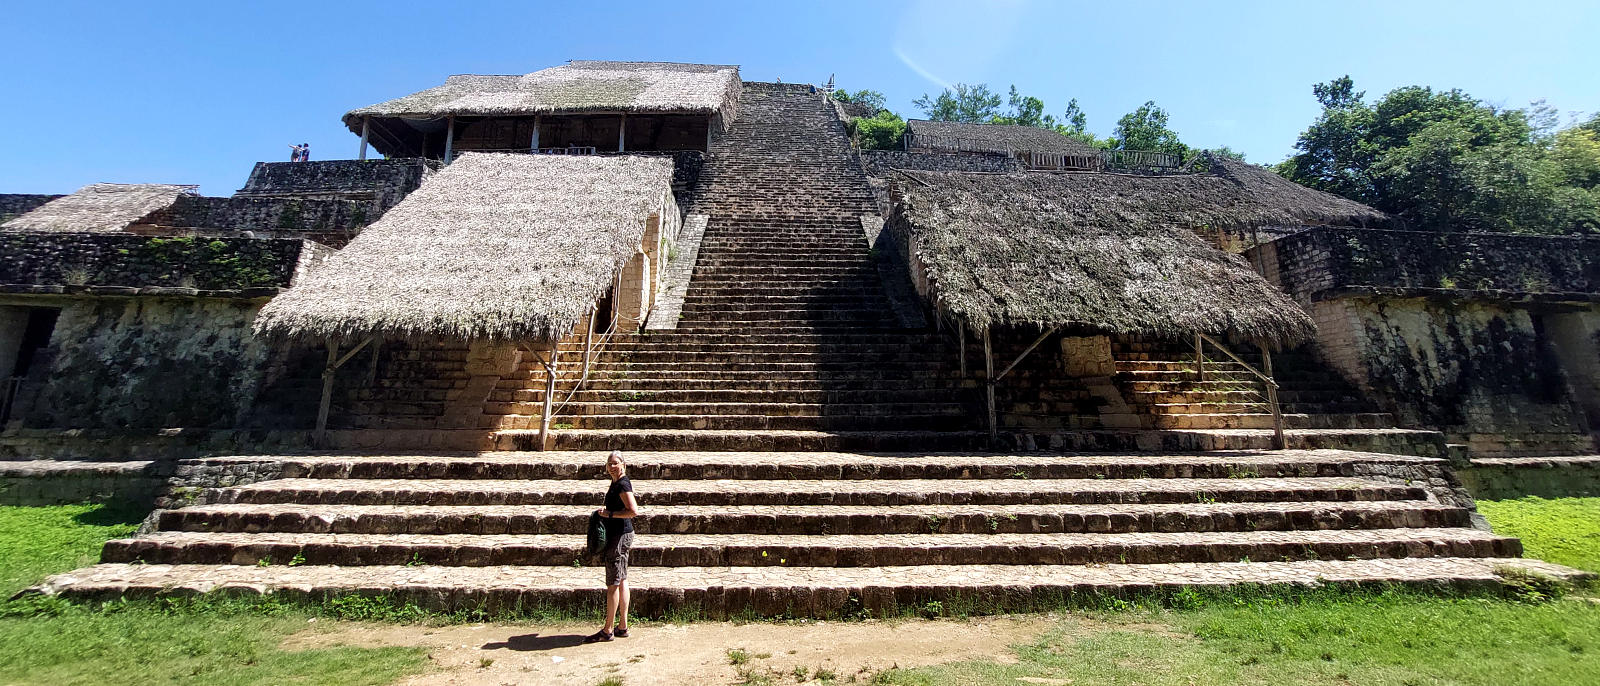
597, 533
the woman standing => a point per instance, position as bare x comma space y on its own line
618, 513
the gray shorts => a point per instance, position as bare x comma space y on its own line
615, 557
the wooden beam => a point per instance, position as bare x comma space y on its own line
366, 128
319, 439
988, 372
1029, 349
335, 361
549, 394
537, 119
961, 342
1279, 442
622, 133
449, 138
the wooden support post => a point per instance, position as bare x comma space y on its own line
961, 337
622, 133
366, 127
588, 341
1279, 442
988, 382
319, 439
550, 369
1042, 335
711, 123
1200, 356
536, 121
449, 138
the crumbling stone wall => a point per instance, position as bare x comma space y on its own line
879, 165
119, 363
330, 222
1491, 339
382, 182
129, 264
15, 204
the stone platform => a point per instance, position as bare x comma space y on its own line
803, 534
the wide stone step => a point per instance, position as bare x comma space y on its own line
1262, 420
742, 440
955, 416
819, 519
821, 378
883, 407
777, 550
718, 392
814, 492
817, 465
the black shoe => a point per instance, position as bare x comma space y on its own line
601, 636
621, 632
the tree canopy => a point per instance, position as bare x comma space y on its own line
1443, 160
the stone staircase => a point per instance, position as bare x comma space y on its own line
786, 339
1159, 379
802, 534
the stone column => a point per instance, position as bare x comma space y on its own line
633, 297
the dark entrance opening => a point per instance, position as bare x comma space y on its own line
36, 332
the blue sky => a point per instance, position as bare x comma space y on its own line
198, 92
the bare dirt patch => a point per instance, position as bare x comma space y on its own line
686, 653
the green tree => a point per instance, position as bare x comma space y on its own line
970, 104
881, 131
1447, 161
870, 98
1026, 111
1146, 129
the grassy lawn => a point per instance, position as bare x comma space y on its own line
1562, 530
57, 643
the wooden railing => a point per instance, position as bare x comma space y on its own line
568, 150
1200, 339
1137, 161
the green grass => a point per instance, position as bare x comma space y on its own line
1332, 637
39, 541
45, 641
1561, 530
1394, 638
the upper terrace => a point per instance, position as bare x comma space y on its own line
583, 106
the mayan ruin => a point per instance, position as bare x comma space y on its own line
993, 364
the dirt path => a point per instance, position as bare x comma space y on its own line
683, 654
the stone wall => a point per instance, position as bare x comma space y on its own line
14, 204
1492, 339
121, 363
125, 264
381, 182
879, 164
1330, 260
330, 222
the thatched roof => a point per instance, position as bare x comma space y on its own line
1003, 137
579, 86
1111, 251
100, 207
496, 246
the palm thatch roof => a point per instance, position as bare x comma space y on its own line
579, 86
1114, 252
1001, 137
100, 208
495, 246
